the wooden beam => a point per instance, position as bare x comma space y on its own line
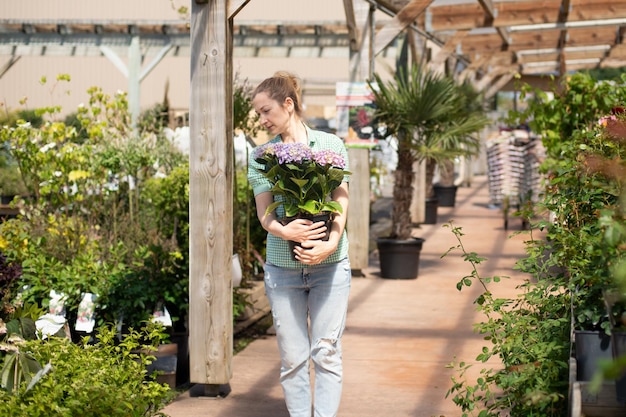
562, 18
491, 13
359, 209
448, 48
498, 84
359, 20
417, 48
400, 21
476, 64
235, 6
211, 195
468, 15
7, 66
484, 82
353, 27
490, 10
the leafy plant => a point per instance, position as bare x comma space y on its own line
303, 179
425, 110
157, 279
530, 337
17, 325
241, 301
576, 260
11, 183
248, 235
105, 378
10, 273
570, 123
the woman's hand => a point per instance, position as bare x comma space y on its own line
313, 252
302, 230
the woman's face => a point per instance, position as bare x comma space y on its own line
273, 115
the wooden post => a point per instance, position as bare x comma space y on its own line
359, 208
360, 22
210, 195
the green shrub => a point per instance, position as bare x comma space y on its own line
577, 258
101, 379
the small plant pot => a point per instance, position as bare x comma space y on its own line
6, 199
399, 259
430, 213
619, 350
446, 194
165, 364
321, 217
591, 347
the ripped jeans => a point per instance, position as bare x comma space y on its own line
317, 294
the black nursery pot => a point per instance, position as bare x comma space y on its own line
590, 348
399, 259
430, 211
446, 194
619, 350
321, 217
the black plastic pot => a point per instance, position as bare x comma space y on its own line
399, 259
619, 350
591, 346
6, 199
446, 194
430, 213
321, 217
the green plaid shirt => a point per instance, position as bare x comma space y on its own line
277, 249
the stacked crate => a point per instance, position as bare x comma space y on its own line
513, 159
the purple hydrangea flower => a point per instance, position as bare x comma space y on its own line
263, 150
328, 157
292, 153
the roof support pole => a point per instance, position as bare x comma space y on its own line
133, 72
134, 67
211, 196
360, 22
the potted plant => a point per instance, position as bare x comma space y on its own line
583, 196
302, 179
423, 110
470, 102
11, 183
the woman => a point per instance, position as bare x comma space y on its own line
308, 295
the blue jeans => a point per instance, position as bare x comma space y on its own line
318, 294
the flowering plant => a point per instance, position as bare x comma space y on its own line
301, 177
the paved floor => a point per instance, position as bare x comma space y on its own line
400, 333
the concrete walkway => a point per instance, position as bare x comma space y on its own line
400, 334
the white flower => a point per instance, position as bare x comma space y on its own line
47, 147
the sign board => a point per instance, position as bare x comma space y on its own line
355, 114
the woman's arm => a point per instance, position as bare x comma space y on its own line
316, 251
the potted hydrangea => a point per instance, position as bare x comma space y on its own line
302, 180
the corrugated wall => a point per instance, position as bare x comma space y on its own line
91, 9
22, 80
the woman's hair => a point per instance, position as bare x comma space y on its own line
280, 86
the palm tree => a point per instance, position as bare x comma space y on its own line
471, 105
428, 114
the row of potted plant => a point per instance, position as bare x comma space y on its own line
105, 214
575, 254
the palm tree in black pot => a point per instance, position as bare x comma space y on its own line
423, 109
471, 102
